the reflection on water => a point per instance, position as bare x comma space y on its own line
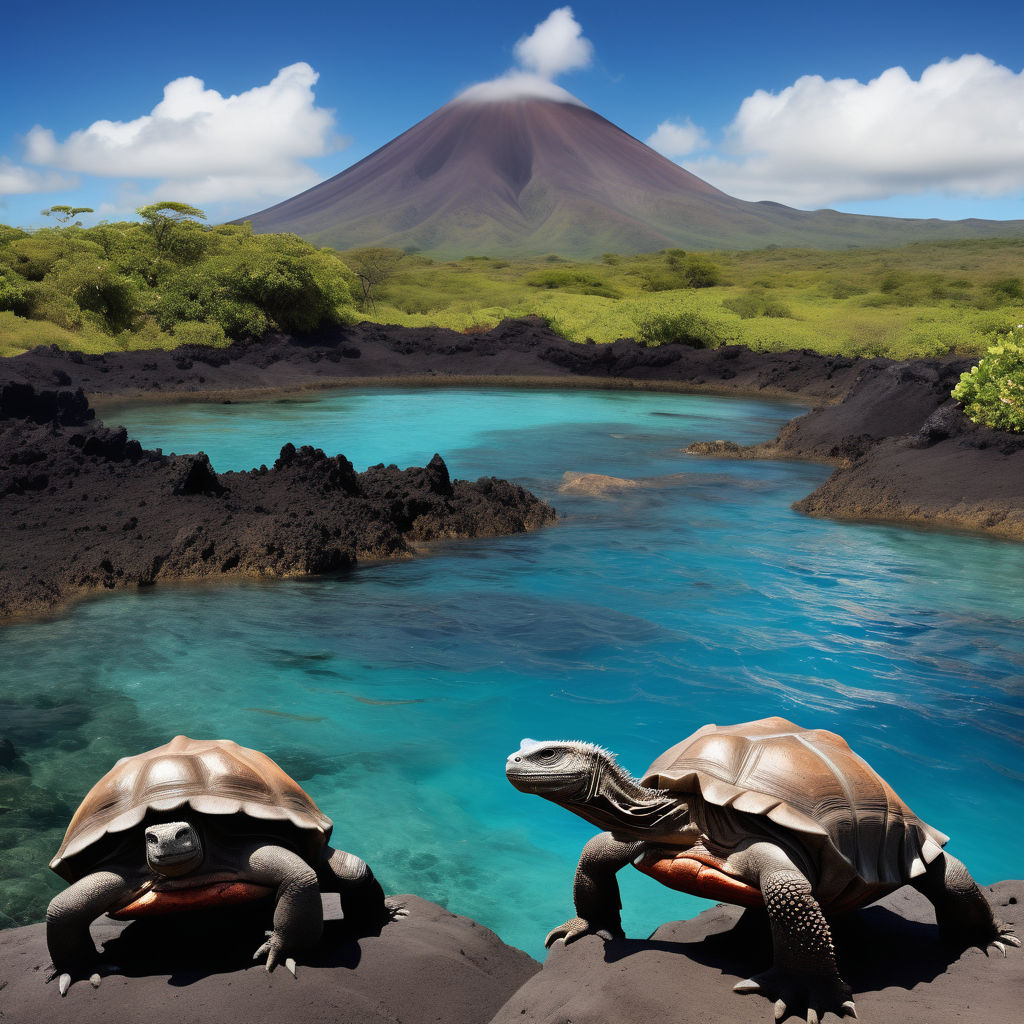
395, 693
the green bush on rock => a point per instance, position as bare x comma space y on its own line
992, 394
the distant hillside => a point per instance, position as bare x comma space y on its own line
533, 176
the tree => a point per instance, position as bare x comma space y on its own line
65, 214
166, 219
373, 265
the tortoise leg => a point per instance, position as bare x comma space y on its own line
68, 918
803, 976
595, 891
961, 910
298, 911
362, 898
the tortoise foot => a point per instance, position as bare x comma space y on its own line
810, 996
576, 927
65, 978
273, 950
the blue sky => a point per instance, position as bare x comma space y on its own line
905, 109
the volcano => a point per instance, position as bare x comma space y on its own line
531, 176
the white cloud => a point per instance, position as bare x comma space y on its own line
19, 181
959, 130
203, 146
675, 140
555, 46
517, 85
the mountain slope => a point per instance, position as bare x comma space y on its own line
526, 177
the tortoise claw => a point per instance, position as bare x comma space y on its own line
848, 1009
94, 980
64, 983
290, 965
747, 987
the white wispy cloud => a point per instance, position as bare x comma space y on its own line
676, 140
957, 130
555, 46
201, 146
19, 181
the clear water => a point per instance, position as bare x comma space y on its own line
395, 693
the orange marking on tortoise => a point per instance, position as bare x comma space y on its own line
699, 874
169, 901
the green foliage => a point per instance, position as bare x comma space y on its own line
688, 326
193, 332
1007, 288
571, 280
373, 266
15, 292
700, 272
150, 284
66, 214
993, 392
756, 302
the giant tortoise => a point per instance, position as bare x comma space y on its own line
199, 823
762, 814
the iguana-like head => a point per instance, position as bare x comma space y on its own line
585, 779
561, 770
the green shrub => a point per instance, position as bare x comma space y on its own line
992, 394
756, 302
15, 292
700, 272
688, 326
1007, 288
192, 332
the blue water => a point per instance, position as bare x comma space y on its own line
395, 693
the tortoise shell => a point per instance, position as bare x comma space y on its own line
812, 786
210, 776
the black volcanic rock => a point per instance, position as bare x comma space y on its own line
890, 953
426, 967
528, 176
86, 508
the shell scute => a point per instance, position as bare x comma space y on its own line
811, 784
210, 776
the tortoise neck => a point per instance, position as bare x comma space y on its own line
616, 802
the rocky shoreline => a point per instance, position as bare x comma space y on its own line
432, 966
86, 509
116, 516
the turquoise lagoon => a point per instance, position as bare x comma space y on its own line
395, 693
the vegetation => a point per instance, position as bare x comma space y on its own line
170, 277
162, 282
924, 299
993, 392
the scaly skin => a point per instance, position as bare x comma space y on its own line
804, 977
298, 911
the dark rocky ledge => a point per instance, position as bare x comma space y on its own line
904, 451
83, 508
431, 966
890, 953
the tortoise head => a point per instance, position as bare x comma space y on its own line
561, 770
173, 848
586, 779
